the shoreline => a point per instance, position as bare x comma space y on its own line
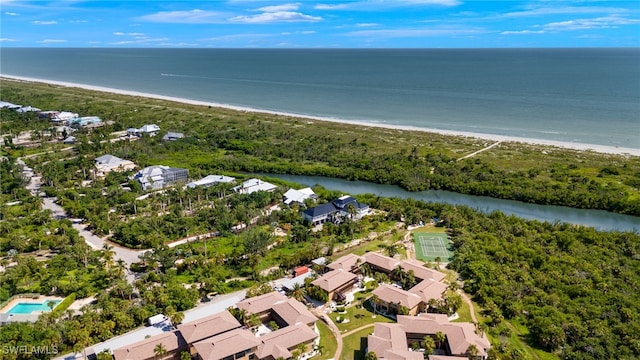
482, 136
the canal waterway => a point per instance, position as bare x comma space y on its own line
599, 219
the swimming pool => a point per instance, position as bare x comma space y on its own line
29, 307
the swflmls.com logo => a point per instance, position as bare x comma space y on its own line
29, 350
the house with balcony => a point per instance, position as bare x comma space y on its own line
160, 176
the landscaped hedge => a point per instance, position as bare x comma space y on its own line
58, 310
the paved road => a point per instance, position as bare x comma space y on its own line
216, 305
129, 256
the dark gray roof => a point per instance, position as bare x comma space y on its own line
342, 202
320, 210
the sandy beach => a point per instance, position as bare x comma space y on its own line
489, 137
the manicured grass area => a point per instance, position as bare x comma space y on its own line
354, 345
464, 313
431, 229
328, 342
358, 317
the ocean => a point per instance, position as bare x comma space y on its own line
589, 96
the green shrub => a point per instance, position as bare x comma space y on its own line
64, 304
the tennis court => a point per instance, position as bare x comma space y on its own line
430, 246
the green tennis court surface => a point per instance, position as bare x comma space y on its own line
430, 246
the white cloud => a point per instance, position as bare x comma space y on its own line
40, 22
52, 41
330, 6
375, 5
306, 32
283, 7
10, 13
140, 41
78, 21
523, 32
7, 40
586, 24
234, 37
606, 22
273, 17
120, 33
559, 10
179, 44
195, 16
367, 24
416, 32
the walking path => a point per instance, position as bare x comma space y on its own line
357, 329
479, 151
334, 329
466, 299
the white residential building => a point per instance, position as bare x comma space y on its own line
108, 163
211, 180
253, 185
298, 196
159, 176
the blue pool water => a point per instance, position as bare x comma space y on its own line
28, 308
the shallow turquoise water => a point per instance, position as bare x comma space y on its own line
28, 308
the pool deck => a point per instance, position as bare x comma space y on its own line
7, 318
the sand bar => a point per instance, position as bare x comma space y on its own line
491, 137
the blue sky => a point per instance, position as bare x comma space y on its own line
320, 23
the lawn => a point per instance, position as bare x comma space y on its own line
354, 345
358, 317
464, 313
327, 342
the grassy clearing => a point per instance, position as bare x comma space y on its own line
328, 342
354, 345
357, 317
464, 313
517, 340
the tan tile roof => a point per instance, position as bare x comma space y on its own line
172, 342
346, 263
420, 271
208, 326
459, 335
278, 343
262, 303
293, 312
334, 280
389, 342
429, 289
381, 261
392, 294
385, 337
223, 345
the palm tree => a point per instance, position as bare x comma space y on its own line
472, 352
176, 318
365, 269
440, 338
428, 344
397, 273
371, 356
298, 292
374, 301
302, 348
160, 351
107, 255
